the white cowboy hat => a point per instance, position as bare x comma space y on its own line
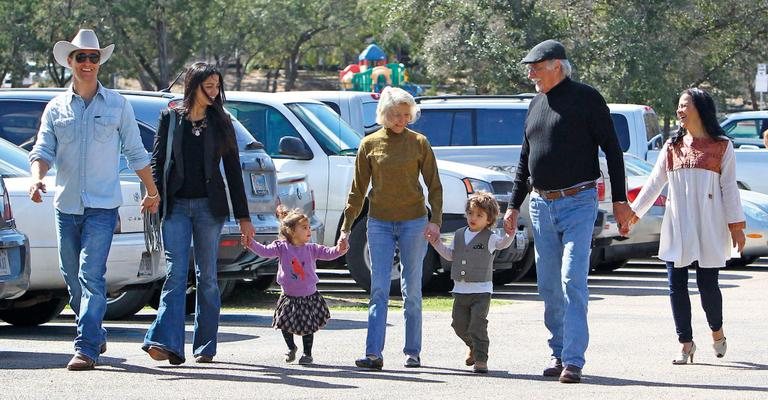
85, 40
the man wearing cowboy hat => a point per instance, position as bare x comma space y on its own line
82, 132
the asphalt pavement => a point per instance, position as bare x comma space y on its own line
631, 347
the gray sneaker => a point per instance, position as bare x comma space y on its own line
412, 362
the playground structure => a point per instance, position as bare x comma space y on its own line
372, 73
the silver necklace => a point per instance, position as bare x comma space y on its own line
199, 126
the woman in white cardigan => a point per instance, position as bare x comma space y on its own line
703, 220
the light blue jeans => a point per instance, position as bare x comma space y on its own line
189, 220
383, 236
562, 234
84, 242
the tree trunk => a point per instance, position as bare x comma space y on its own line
162, 52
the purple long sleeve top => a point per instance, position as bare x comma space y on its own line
296, 272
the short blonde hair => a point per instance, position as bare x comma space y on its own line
289, 220
390, 98
484, 201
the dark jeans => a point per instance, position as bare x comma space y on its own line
470, 321
711, 298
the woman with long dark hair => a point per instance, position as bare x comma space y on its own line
186, 172
703, 220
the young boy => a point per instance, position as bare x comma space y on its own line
472, 273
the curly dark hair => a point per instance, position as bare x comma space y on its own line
705, 105
484, 201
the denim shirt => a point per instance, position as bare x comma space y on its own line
84, 142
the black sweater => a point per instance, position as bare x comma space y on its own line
563, 131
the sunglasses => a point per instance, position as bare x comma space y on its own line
93, 57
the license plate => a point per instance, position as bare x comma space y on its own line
5, 263
259, 185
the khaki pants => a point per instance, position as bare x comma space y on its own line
470, 321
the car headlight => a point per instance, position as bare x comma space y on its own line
475, 185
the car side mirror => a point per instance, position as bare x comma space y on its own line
294, 147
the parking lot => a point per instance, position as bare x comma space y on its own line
631, 347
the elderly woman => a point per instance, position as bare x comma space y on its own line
391, 160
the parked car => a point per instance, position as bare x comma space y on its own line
755, 206
746, 129
305, 136
14, 253
234, 263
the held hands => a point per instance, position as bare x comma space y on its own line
738, 239
432, 232
510, 221
624, 215
35, 191
246, 232
343, 243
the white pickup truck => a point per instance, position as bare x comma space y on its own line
306, 137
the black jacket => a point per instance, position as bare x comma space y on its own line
217, 195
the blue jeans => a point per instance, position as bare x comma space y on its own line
562, 234
84, 242
190, 220
383, 236
709, 291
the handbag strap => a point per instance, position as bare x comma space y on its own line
166, 166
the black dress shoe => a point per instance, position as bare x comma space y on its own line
571, 374
370, 363
555, 368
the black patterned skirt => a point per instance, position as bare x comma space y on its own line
301, 315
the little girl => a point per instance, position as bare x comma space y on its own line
300, 310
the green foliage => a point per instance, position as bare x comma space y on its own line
633, 51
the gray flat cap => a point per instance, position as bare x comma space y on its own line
546, 50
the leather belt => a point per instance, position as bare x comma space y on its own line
558, 193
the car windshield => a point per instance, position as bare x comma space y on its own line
14, 161
637, 167
333, 134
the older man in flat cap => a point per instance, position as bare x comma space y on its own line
567, 123
82, 132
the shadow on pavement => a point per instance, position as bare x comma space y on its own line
117, 334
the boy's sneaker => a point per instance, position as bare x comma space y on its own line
481, 367
412, 362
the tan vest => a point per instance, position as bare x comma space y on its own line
472, 262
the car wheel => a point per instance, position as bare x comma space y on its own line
37, 314
519, 270
127, 303
740, 262
262, 283
359, 261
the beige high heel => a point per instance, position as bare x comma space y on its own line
684, 356
720, 347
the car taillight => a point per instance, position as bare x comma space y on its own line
601, 189
174, 103
7, 213
229, 243
661, 201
